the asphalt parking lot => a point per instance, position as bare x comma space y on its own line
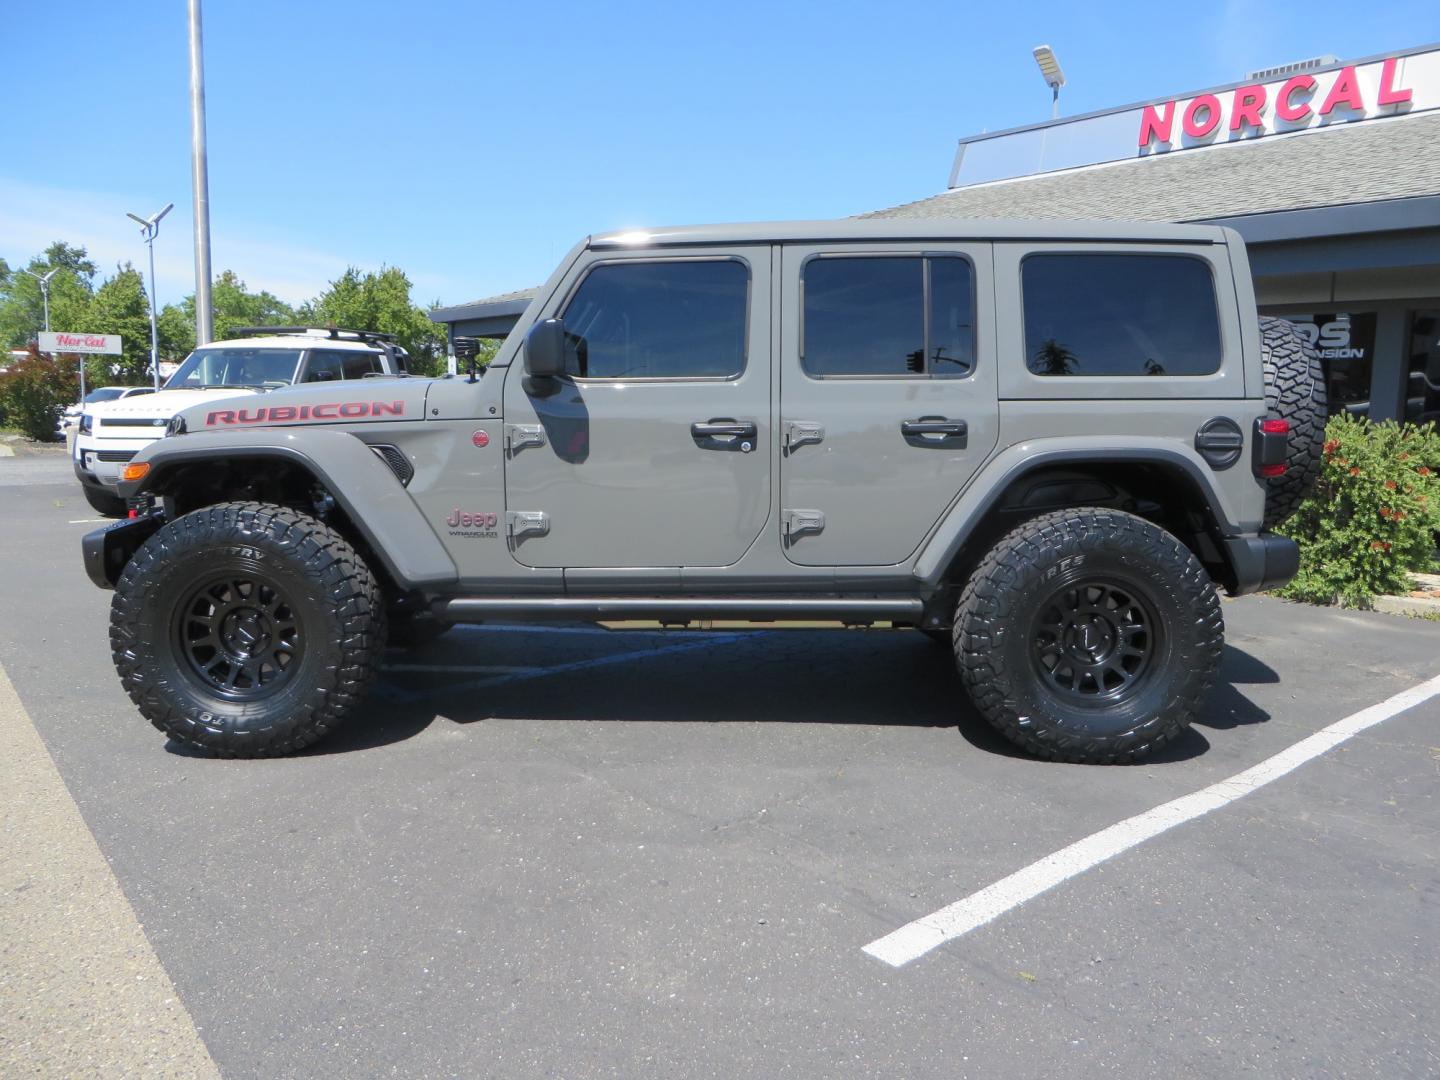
581, 852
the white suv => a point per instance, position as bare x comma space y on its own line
261, 359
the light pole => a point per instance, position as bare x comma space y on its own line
1054, 77
44, 280
200, 182
149, 229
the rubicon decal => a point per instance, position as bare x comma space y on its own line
334, 410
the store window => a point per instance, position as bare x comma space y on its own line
1422, 388
1345, 342
1113, 314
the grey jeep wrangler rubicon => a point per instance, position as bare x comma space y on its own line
1044, 443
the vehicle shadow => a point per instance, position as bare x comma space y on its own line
791, 677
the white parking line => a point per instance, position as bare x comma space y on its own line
90, 521
915, 939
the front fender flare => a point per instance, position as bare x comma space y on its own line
1012, 463
361, 484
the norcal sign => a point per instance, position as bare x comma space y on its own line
1305, 100
1296, 99
80, 343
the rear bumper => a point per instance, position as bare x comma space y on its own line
1260, 562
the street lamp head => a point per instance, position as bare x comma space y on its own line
155, 219
138, 220
1049, 67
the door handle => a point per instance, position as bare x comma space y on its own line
721, 427
934, 425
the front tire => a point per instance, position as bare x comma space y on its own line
103, 503
247, 629
1089, 635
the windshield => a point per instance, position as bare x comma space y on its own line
235, 367
105, 393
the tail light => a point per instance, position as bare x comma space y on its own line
1272, 438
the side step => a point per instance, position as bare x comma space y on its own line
677, 609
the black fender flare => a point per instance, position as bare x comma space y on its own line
360, 483
976, 501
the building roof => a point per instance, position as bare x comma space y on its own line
487, 307
1351, 163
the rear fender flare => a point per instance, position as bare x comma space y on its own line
360, 483
1011, 465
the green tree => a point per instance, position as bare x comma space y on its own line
381, 302
232, 304
120, 306
22, 308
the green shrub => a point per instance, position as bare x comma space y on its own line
33, 393
1372, 516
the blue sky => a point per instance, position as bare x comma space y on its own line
472, 143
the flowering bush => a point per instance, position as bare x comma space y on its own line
1373, 515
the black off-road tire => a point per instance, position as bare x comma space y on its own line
269, 578
1008, 632
1294, 391
104, 503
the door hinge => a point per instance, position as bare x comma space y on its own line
520, 523
519, 436
800, 432
800, 522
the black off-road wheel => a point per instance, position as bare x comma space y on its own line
103, 503
1089, 635
1294, 391
246, 629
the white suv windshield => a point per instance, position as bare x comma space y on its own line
236, 367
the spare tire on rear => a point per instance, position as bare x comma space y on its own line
1294, 391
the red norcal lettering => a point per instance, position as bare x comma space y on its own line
1156, 126
1197, 128
1249, 103
1285, 108
1346, 91
1389, 95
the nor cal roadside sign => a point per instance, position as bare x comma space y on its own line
80, 343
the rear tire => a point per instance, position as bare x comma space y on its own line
1089, 635
247, 629
104, 503
1294, 391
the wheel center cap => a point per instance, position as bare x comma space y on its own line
1090, 640
245, 632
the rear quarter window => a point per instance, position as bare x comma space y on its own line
1119, 314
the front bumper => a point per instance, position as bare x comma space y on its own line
107, 550
1262, 562
99, 462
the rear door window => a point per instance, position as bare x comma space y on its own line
890, 316
1095, 313
359, 364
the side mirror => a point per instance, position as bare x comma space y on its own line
545, 349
